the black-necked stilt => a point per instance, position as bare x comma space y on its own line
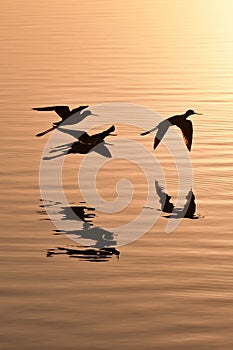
178, 120
86, 142
64, 112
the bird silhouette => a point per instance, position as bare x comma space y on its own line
96, 138
188, 210
178, 120
190, 207
64, 112
86, 142
164, 199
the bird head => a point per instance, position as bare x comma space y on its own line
190, 112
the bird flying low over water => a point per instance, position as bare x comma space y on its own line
86, 142
178, 120
96, 138
64, 112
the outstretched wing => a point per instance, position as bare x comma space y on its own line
187, 131
78, 109
166, 205
162, 129
62, 111
160, 192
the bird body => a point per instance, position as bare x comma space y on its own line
86, 142
181, 122
64, 112
96, 138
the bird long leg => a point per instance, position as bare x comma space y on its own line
46, 131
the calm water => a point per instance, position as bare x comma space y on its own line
165, 291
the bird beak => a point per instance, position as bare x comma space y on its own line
198, 113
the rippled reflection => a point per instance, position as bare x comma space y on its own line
85, 253
103, 241
188, 210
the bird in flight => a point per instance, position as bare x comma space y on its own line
178, 120
86, 142
64, 112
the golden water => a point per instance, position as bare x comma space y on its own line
166, 291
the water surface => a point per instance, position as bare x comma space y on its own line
165, 291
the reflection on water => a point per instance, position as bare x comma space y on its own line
81, 211
164, 199
188, 211
99, 237
85, 253
190, 206
168, 292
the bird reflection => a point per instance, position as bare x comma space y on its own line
190, 206
64, 113
85, 253
178, 120
188, 211
85, 143
100, 236
103, 240
83, 212
164, 199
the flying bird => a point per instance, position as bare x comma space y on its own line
178, 120
64, 112
86, 142
96, 138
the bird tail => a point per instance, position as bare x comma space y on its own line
45, 132
148, 131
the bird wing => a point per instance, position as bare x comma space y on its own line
62, 111
166, 205
160, 192
78, 109
187, 131
162, 129
103, 150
